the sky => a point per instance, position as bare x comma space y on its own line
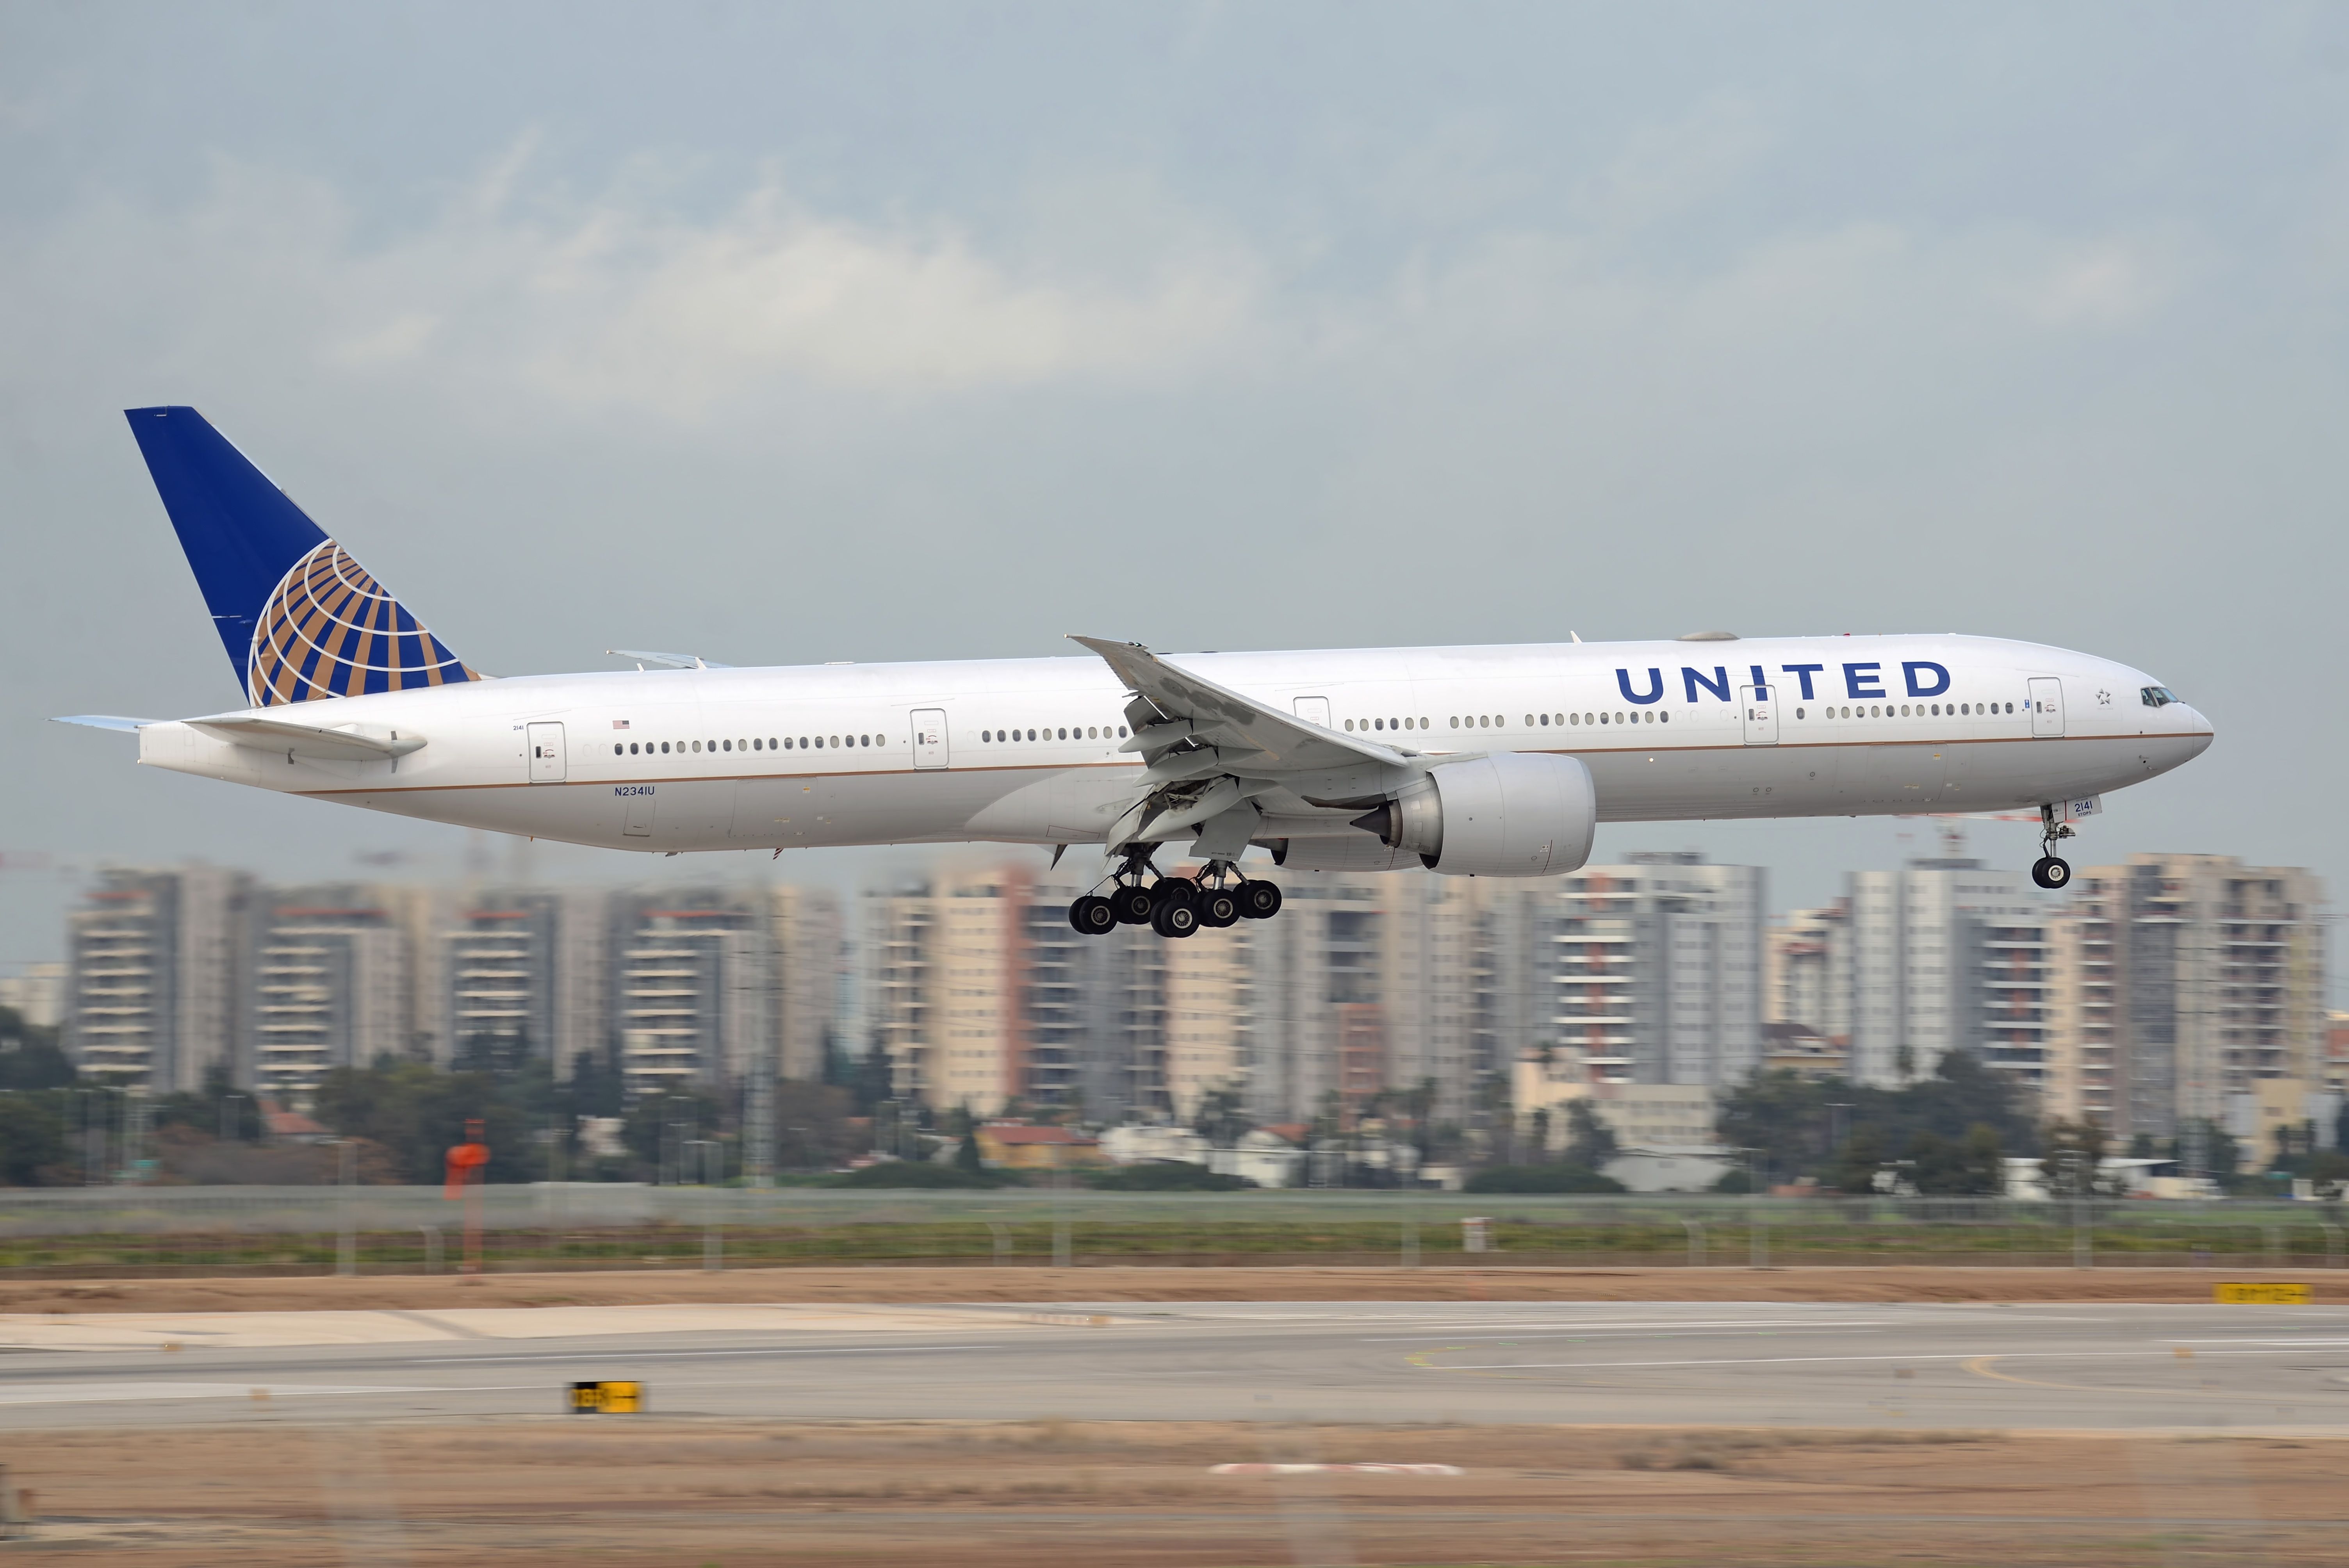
781, 333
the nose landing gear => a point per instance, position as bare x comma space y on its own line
2051, 871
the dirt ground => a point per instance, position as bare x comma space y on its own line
645, 1490
881, 1284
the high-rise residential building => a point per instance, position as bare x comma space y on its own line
526, 975
2193, 978
807, 965
330, 985
1949, 954
1657, 970
690, 988
37, 996
982, 995
156, 964
1806, 971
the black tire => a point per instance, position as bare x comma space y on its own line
1131, 905
1174, 890
1258, 900
1092, 915
1218, 907
2052, 873
1175, 917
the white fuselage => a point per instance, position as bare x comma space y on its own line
828, 755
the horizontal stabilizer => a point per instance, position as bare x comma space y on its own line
106, 721
337, 744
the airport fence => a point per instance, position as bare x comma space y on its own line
129, 1231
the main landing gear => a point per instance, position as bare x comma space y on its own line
1174, 906
2051, 871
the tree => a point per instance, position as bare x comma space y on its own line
2071, 1154
1589, 1142
30, 1055
1540, 1127
31, 1138
1945, 1167
1222, 1120
967, 1159
1858, 1163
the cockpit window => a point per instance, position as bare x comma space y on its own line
2158, 696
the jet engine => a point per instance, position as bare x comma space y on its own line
1513, 814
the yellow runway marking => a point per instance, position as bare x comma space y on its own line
1980, 1367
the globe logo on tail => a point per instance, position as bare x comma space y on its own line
331, 630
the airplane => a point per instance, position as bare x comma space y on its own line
1468, 761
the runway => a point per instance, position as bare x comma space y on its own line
2096, 1366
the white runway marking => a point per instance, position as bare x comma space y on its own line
1776, 1360
1564, 1331
688, 1354
89, 1393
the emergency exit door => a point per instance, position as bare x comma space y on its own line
1761, 710
929, 737
2046, 708
546, 753
1314, 710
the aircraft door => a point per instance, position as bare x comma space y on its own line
1759, 706
929, 737
2046, 708
546, 753
1314, 710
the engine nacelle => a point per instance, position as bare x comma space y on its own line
1515, 814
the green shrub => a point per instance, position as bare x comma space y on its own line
1542, 1179
1162, 1176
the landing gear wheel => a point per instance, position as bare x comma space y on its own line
1092, 915
1174, 890
1258, 900
2051, 873
1131, 905
1218, 907
1175, 917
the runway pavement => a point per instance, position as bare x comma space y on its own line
2095, 1366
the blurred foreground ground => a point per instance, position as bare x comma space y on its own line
268, 1491
1122, 1283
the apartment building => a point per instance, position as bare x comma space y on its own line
1948, 955
1655, 970
154, 961
691, 988
330, 986
1806, 971
2188, 979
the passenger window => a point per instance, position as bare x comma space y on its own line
616, 750
1798, 713
729, 745
1064, 735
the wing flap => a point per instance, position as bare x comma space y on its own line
1199, 709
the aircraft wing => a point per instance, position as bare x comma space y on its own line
1252, 738
341, 744
668, 661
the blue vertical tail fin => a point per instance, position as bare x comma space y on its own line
301, 619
